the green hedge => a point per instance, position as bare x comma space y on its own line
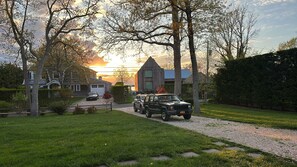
264, 81
45, 95
121, 94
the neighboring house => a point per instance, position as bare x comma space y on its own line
169, 75
81, 80
31, 75
201, 78
149, 77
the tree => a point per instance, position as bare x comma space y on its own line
196, 8
17, 22
122, 74
10, 76
233, 33
60, 18
68, 52
290, 44
153, 22
195, 87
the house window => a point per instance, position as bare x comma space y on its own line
94, 86
100, 86
148, 85
77, 88
148, 73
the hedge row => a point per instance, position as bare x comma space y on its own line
44, 94
264, 81
121, 94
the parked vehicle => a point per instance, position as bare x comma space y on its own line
92, 96
166, 105
138, 103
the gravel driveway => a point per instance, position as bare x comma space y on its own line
280, 142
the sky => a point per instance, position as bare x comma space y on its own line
276, 23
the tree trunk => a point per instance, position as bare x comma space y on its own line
193, 58
37, 77
176, 48
27, 84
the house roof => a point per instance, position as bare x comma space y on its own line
98, 81
201, 78
150, 63
169, 74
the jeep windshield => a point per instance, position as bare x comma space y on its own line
167, 98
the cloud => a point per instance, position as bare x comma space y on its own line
270, 2
98, 61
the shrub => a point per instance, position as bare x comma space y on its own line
65, 93
5, 107
59, 107
19, 99
78, 110
91, 110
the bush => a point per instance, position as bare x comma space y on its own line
121, 94
59, 107
6, 94
5, 107
66, 93
91, 110
19, 99
78, 110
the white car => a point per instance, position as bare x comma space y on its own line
138, 103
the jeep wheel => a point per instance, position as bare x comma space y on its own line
148, 114
187, 116
142, 110
135, 109
165, 116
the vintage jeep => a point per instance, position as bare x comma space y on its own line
166, 105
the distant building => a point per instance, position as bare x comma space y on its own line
151, 76
81, 80
169, 75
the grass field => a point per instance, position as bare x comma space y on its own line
108, 138
267, 118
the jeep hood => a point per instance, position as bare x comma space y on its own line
175, 103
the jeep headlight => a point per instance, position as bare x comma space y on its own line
170, 108
189, 106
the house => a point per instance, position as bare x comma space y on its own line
169, 75
151, 76
81, 80
201, 78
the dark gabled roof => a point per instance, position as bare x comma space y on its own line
150, 63
169, 74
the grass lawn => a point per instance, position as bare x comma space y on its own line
267, 118
110, 137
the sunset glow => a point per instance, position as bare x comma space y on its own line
105, 66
